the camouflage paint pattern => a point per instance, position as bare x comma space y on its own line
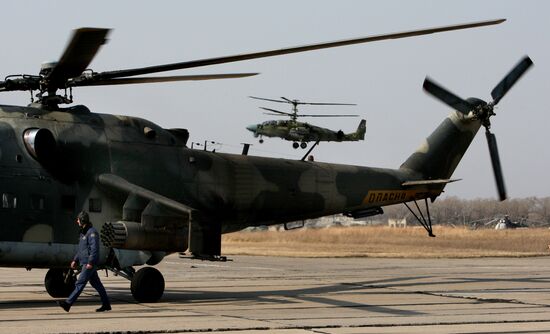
236, 190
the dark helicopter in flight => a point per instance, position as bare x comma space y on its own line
300, 132
150, 195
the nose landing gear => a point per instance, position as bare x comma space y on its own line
147, 285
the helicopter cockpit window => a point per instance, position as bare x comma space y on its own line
9, 201
38, 202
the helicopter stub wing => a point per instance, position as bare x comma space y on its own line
118, 183
204, 235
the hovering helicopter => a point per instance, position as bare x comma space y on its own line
150, 195
300, 131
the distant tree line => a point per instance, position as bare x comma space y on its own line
455, 211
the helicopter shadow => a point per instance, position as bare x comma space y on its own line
325, 296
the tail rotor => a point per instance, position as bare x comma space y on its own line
481, 110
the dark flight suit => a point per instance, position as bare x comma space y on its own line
88, 253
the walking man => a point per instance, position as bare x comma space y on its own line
87, 257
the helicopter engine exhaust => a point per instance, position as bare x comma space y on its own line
133, 235
44, 148
41, 144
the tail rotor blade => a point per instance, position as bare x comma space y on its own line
495, 160
483, 112
446, 96
510, 79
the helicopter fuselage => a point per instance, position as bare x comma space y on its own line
41, 197
304, 132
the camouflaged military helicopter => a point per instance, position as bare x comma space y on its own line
300, 131
55, 162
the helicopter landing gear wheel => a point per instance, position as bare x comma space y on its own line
303, 144
261, 141
147, 285
295, 145
56, 284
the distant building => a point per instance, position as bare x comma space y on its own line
397, 222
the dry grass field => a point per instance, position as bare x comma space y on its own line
389, 242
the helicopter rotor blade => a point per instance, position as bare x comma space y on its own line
266, 113
277, 52
290, 101
495, 161
265, 99
444, 95
297, 102
510, 79
125, 81
492, 221
327, 115
287, 100
327, 104
277, 111
78, 54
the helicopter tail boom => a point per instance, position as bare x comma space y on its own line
439, 154
359, 134
361, 129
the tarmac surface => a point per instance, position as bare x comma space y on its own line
254, 294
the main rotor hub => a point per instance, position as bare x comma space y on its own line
482, 110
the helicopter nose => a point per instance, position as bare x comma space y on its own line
252, 127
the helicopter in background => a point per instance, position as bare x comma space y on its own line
300, 132
504, 222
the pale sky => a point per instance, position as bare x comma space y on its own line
383, 78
